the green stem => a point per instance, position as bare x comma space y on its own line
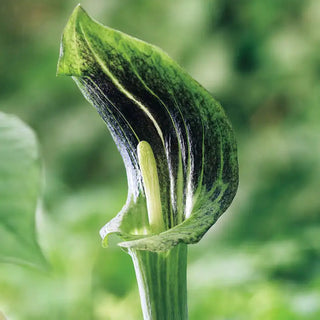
162, 282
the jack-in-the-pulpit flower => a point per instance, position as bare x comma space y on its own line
176, 142
144, 96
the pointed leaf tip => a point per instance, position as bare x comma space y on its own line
73, 58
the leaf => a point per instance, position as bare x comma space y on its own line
19, 192
144, 96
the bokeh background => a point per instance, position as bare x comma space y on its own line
261, 60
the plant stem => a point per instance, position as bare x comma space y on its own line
162, 282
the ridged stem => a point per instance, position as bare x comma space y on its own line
162, 282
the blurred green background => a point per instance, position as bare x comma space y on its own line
261, 60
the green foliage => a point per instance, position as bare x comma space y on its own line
20, 182
143, 95
261, 60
